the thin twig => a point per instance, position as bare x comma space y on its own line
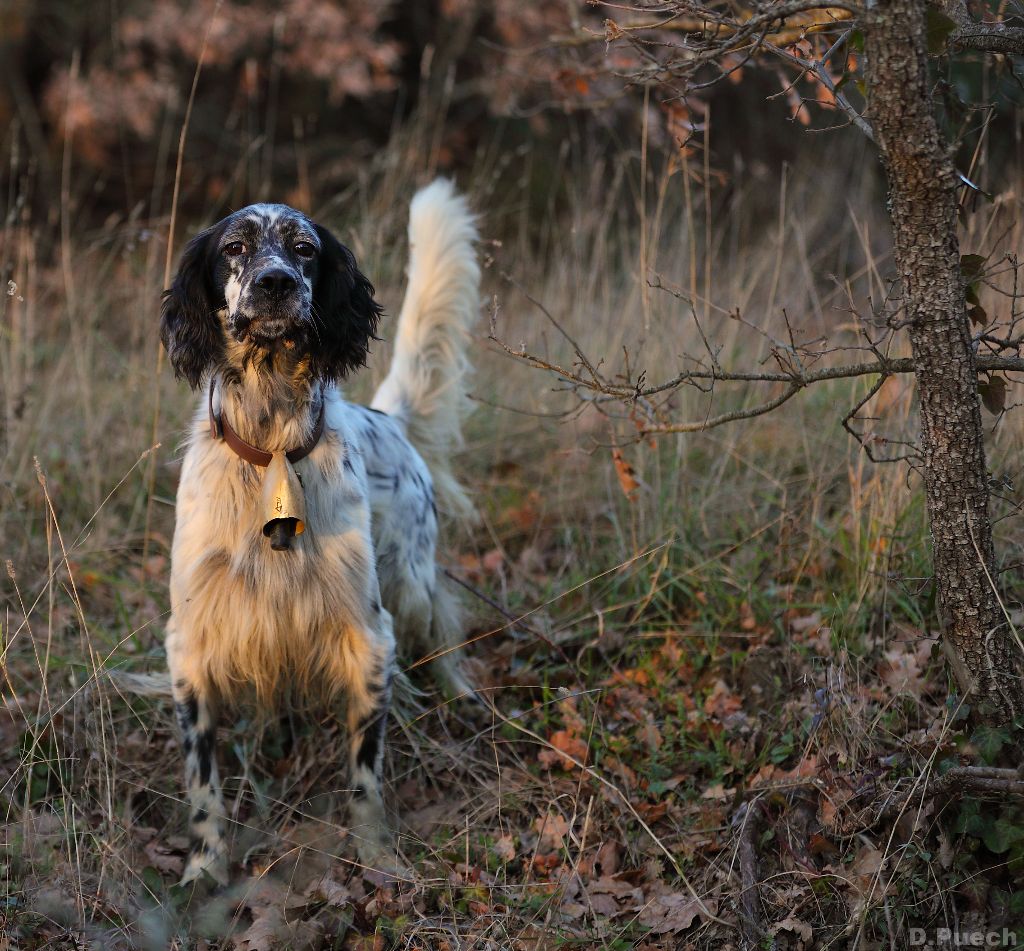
509, 616
817, 67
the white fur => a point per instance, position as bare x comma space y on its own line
232, 292
267, 212
425, 387
254, 617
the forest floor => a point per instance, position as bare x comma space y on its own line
720, 708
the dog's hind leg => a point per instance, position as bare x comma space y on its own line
369, 702
428, 621
196, 715
445, 639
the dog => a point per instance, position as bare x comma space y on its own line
267, 314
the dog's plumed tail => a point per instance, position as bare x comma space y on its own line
425, 387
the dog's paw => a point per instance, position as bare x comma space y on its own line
381, 862
207, 859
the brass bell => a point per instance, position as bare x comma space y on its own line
284, 505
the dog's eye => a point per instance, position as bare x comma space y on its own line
304, 249
234, 249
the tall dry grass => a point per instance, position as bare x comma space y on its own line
776, 512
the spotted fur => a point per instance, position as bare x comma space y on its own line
274, 310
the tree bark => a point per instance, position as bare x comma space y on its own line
923, 211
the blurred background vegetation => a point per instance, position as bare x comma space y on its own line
296, 99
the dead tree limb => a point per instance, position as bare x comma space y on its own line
751, 921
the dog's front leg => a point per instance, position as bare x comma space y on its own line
196, 714
369, 702
209, 851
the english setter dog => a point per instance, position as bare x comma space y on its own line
268, 313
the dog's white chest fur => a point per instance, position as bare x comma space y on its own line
256, 616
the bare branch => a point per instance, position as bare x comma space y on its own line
794, 20
817, 67
709, 34
575, 346
798, 378
747, 821
866, 440
793, 374
723, 418
980, 778
991, 37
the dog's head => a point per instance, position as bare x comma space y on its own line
267, 281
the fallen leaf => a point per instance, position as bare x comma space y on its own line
830, 804
862, 874
626, 474
552, 830
669, 914
620, 769
651, 735
572, 910
543, 864
637, 676
607, 859
799, 928
612, 896
819, 845
270, 931
570, 715
493, 561
718, 791
328, 890
901, 671
369, 942
163, 858
807, 767
605, 905
721, 701
652, 811
566, 744
504, 848
947, 853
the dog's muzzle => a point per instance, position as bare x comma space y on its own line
271, 307
276, 283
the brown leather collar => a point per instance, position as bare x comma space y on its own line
220, 428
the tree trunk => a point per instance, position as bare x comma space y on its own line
923, 210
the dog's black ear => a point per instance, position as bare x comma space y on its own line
345, 312
189, 327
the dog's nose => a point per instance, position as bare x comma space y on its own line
276, 282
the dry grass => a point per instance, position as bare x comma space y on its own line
735, 662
